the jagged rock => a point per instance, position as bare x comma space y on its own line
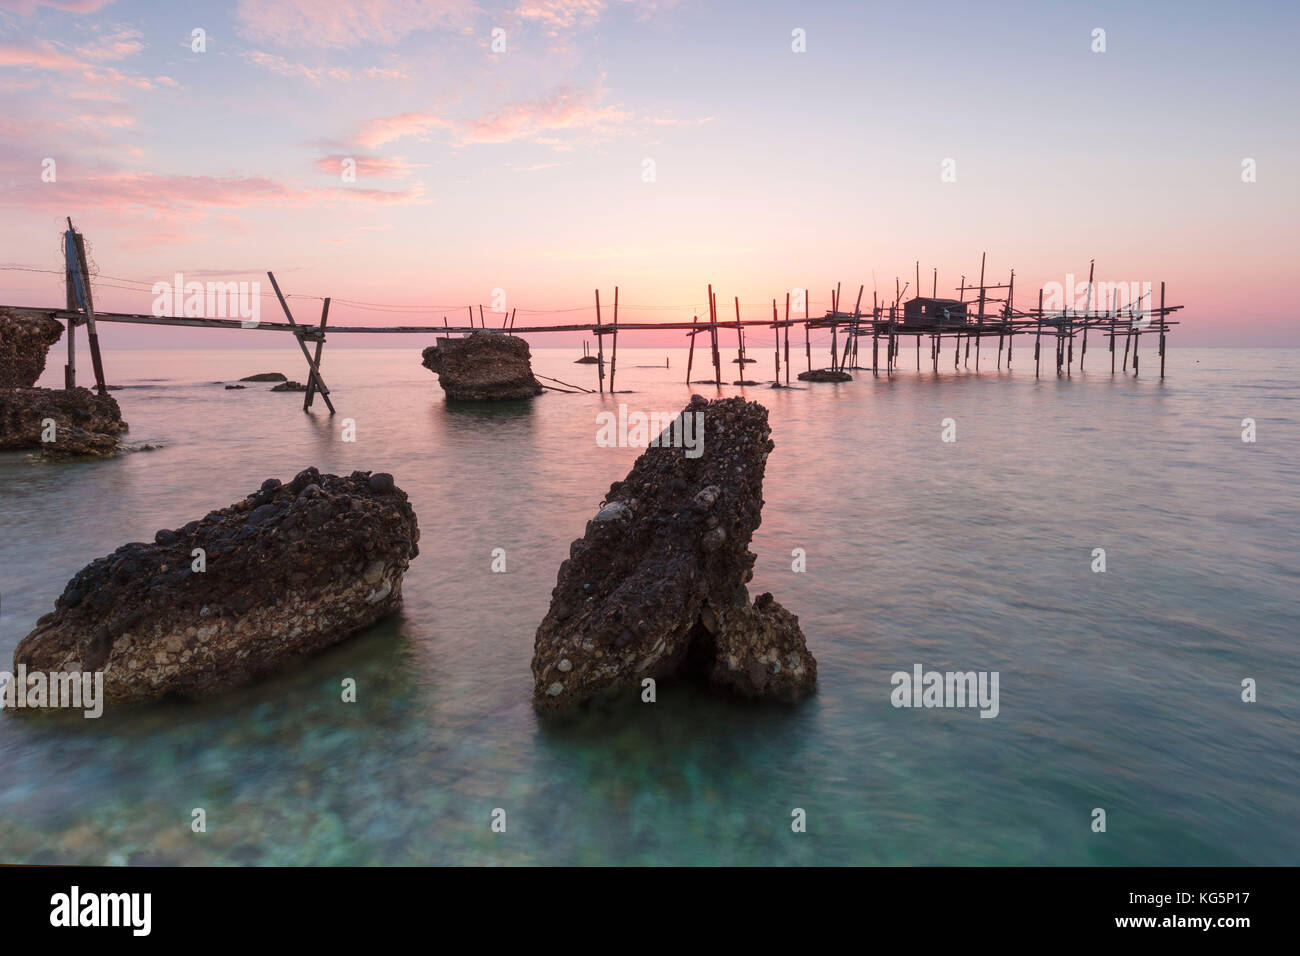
24, 343
288, 571
290, 387
84, 423
483, 367
266, 377
825, 375
656, 586
231, 388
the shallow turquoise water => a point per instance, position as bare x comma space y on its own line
1118, 690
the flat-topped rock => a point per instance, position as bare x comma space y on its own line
290, 570
24, 343
825, 375
483, 367
656, 587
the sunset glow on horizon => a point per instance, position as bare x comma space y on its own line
548, 148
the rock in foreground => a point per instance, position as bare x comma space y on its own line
287, 571
656, 586
483, 367
84, 424
24, 343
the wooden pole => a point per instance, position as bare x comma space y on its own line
1038, 337
787, 338
613, 358
713, 332
776, 334
979, 336
1162, 330
70, 289
600, 347
320, 347
690, 358
1011, 299
807, 341
75, 248
740, 342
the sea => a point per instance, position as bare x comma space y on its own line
1121, 551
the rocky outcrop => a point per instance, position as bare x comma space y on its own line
289, 570
84, 424
266, 377
483, 367
24, 343
290, 387
656, 586
825, 375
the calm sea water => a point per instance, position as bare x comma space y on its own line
1119, 690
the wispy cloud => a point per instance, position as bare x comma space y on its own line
317, 75
380, 167
385, 129
545, 121
28, 7
194, 193
310, 23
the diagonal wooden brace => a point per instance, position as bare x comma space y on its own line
313, 369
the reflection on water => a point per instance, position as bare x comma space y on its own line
1119, 690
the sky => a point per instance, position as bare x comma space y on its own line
522, 154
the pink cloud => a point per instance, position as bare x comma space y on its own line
342, 74
564, 109
309, 23
376, 132
193, 193
118, 45
556, 15
42, 56
28, 7
380, 167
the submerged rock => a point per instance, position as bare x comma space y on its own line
483, 367
825, 375
290, 387
288, 571
656, 586
24, 343
84, 424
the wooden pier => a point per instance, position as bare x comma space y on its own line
959, 321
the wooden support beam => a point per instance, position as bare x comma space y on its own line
75, 253
312, 371
320, 347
